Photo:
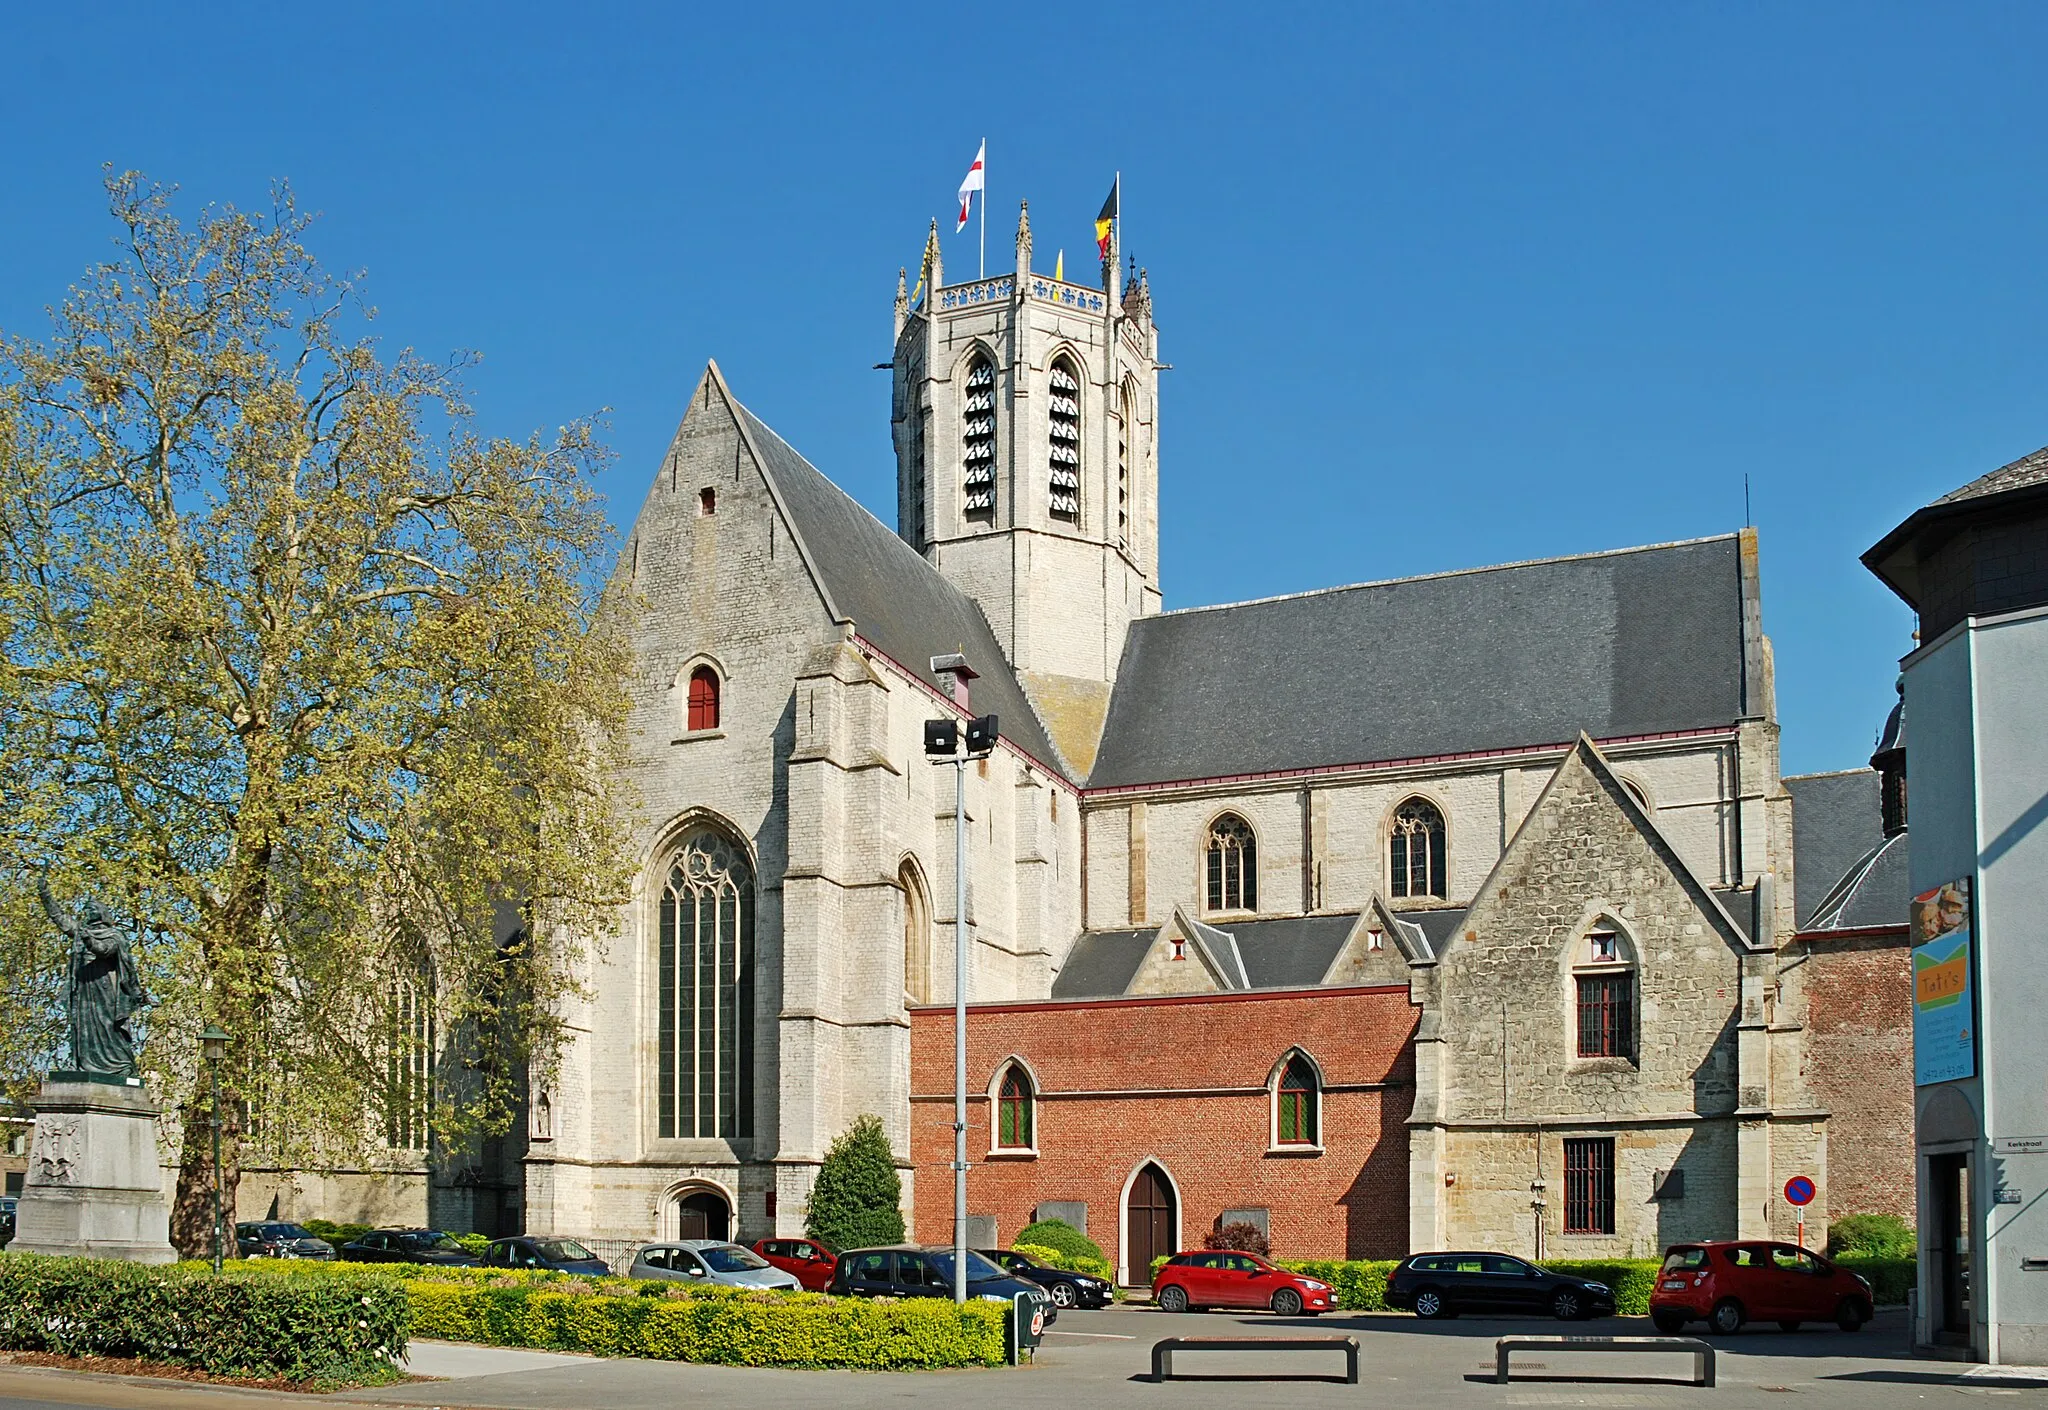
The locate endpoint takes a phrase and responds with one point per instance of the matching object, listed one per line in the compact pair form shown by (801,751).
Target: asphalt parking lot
(1104,1358)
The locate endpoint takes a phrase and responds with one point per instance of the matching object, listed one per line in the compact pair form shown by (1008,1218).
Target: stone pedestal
(95,1187)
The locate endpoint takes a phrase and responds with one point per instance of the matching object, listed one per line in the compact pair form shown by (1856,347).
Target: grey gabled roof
(896,600)
(1836,821)
(1637,642)
(2016,475)
(1874,892)
(1102,963)
(1291,952)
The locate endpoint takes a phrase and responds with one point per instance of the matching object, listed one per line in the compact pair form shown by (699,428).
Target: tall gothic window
(706,975)
(408,1064)
(1416,850)
(978,439)
(1063,451)
(1013,1110)
(1123,467)
(1233,865)
(917,937)
(1294,1118)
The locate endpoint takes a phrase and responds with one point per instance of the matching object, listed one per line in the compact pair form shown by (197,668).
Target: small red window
(703,698)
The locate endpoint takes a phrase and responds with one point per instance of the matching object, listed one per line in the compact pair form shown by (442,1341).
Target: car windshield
(437,1243)
(1681,1259)
(731,1258)
(979,1269)
(564,1251)
(281,1231)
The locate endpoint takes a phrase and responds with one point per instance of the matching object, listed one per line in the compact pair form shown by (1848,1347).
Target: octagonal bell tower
(1026,426)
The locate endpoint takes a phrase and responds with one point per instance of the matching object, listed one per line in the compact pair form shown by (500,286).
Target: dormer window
(1063,452)
(978,440)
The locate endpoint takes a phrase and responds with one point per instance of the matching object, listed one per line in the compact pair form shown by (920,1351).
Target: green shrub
(1874,1235)
(293,1323)
(1059,1235)
(1890,1278)
(1048,1257)
(1633,1279)
(1359,1285)
(857,1200)
(1242,1237)
(336,1234)
(473,1244)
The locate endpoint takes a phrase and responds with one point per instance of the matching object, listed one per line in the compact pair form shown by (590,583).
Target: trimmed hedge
(1890,1278)
(317,1325)
(1045,1256)
(1361,1286)
(1874,1235)
(1063,1238)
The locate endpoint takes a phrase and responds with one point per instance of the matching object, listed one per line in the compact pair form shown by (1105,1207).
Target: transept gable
(1382,948)
(1188,957)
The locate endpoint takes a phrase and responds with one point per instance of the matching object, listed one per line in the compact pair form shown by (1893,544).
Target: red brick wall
(1859,1061)
(1123,1081)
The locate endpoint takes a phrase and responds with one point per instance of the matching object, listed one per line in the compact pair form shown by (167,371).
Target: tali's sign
(1944,1006)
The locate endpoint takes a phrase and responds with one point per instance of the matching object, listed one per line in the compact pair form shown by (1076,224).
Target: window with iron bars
(1607,1015)
(1589,1185)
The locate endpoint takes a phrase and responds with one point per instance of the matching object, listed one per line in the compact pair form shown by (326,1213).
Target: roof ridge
(1826,773)
(1446,573)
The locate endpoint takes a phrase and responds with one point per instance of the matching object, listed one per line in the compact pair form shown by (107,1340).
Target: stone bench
(1163,1350)
(1702,1354)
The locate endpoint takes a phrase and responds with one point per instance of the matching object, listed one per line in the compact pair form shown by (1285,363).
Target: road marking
(1099,1336)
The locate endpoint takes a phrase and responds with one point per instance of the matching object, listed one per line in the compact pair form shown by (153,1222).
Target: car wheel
(1430,1305)
(1851,1315)
(1062,1294)
(1565,1306)
(1668,1322)
(1173,1299)
(1784,1326)
(1287,1302)
(1727,1317)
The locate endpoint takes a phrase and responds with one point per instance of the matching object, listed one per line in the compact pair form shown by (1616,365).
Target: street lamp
(942,740)
(214,1044)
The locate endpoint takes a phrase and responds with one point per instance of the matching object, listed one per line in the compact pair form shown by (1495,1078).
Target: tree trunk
(192,1209)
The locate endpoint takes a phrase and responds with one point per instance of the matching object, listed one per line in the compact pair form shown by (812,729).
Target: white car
(710,1261)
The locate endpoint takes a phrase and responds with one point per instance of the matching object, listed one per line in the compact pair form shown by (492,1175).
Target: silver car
(710,1261)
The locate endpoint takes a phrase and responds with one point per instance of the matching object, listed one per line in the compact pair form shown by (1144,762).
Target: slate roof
(2022,483)
(1875,891)
(1836,822)
(898,602)
(1292,952)
(1640,641)
(2020,474)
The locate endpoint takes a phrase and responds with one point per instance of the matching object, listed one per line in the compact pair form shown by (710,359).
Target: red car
(811,1262)
(1728,1284)
(1187,1281)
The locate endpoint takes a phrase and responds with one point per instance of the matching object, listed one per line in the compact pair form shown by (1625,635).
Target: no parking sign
(1799,1191)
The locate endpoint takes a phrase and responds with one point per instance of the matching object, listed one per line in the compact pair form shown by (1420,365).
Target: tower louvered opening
(978,440)
(1123,470)
(1063,452)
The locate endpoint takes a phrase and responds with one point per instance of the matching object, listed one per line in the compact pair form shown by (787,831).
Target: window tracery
(1233,865)
(706,1004)
(1416,851)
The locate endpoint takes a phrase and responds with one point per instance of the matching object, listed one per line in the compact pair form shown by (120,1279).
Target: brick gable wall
(1859,1063)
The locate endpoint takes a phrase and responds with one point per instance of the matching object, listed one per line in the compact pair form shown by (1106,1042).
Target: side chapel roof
(1836,822)
(1635,642)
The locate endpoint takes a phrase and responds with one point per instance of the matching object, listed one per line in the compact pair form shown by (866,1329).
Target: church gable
(1381,949)
(1589,918)
(1187,957)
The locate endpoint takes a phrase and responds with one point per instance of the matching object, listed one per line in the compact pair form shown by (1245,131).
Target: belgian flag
(1105,219)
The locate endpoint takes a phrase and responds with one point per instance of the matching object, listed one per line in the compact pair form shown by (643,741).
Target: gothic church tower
(1026,419)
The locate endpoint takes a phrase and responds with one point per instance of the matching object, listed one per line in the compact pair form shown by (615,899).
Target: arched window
(1233,865)
(978,439)
(706,982)
(1604,991)
(1126,408)
(917,937)
(703,707)
(1013,1110)
(1063,450)
(1295,1114)
(1416,850)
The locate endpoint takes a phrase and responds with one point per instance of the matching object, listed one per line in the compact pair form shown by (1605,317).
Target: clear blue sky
(1443,285)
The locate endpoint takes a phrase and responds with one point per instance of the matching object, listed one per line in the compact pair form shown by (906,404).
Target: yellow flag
(1059,266)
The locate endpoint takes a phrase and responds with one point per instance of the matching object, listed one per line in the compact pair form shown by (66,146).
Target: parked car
(7,1217)
(1068,1289)
(271,1238)
(1445,1284)
(556,1255)
(407,1246)
(907,1270)
(710,1261)
(1728,1284)
(808,1260)
(1211,1278)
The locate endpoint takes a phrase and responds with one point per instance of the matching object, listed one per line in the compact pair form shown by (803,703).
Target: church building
(1458,910)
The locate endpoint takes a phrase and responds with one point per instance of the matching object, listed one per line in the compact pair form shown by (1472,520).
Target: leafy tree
(857,1201)
(313,684)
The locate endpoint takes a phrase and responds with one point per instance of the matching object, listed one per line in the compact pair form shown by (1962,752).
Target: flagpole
(981,266)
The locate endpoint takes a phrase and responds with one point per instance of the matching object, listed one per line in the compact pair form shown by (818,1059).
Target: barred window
(706,1003)
(1416,850)
(1063,450)
(1589,1186)
(978,439)
(1607,1015)
(1233,865)
(1296,1117)
(1013,1111)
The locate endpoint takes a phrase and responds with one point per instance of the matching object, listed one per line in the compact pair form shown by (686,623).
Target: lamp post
(942,740)
(214,1044)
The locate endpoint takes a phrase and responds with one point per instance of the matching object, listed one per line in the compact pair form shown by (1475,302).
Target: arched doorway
(702,1214)
(1151,1223)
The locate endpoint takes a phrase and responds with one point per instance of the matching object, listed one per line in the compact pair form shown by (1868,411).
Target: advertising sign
(1944,1006)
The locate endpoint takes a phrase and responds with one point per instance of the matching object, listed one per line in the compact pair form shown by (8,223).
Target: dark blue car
(534,1251)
